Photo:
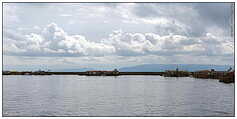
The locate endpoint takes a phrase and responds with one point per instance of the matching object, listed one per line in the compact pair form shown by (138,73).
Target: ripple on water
(115,96)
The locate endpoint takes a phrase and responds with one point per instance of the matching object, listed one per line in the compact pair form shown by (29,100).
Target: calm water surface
(59,95)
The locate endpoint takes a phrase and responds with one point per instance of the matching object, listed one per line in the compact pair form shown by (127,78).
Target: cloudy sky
(112,35)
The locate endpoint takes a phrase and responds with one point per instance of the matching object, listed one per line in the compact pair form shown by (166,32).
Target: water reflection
(115,96)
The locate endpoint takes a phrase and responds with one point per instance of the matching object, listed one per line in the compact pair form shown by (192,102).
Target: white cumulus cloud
(54,41)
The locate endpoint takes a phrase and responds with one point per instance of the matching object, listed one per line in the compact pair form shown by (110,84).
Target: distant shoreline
(222,76)
(82,73)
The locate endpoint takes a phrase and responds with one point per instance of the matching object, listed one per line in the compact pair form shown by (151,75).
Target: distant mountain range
(163,67)
(152,68)
(158,68)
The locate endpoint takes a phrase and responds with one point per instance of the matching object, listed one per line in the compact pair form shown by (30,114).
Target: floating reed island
(223,76)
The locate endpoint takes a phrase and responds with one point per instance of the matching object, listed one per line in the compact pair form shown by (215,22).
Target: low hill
(163,67)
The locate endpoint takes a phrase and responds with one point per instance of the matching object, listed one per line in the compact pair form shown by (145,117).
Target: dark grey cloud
(199,17)
(160,9)
(219,14)
(146,10)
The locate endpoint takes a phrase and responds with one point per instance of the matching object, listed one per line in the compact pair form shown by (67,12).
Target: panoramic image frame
(118,59)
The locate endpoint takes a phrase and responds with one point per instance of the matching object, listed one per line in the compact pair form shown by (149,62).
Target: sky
(113,35)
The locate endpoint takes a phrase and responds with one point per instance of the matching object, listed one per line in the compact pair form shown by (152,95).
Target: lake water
(59,95)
